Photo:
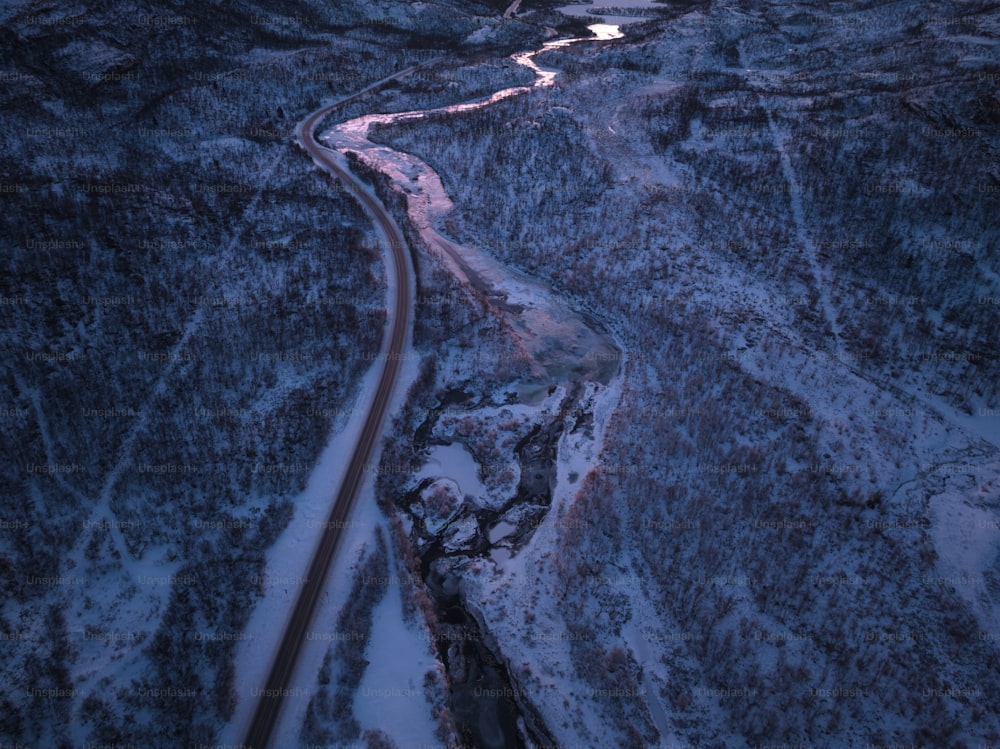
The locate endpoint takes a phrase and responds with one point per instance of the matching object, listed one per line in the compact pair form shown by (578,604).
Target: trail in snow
(43,428)
(102,515)
(821,277)
(984,429)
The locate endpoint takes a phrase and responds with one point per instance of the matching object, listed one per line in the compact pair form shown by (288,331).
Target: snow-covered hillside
(189,308)
(786,213)
(761,507)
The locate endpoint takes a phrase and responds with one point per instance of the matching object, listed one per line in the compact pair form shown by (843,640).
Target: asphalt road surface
(268,708)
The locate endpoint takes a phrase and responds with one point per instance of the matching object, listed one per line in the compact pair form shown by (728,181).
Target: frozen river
(564,343)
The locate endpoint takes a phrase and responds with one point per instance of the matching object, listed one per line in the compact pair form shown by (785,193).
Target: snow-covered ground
(392,696)
(288,561)
(847,447)
(787,487)
(291,554)
(964,514)
(455,462)
(504,589)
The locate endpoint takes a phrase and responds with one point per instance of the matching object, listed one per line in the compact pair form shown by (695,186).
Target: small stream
(568,347)
(565,344)
(486,703)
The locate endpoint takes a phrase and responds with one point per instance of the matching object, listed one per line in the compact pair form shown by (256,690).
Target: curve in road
(279,677)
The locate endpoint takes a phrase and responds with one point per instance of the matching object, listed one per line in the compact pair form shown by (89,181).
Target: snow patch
(966,536)
(456,462)
(391,695)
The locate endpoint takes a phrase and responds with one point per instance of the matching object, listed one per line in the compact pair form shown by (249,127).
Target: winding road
(279,677)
